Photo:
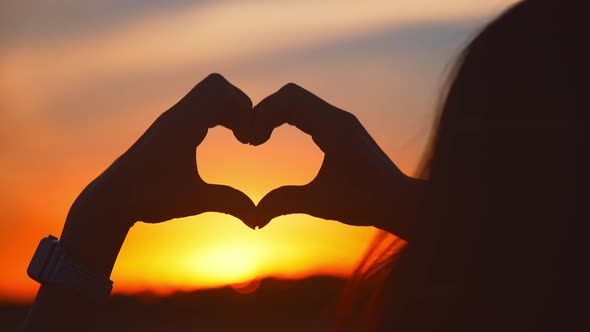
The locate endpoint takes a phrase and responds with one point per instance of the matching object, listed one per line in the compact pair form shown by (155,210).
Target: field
(277,305)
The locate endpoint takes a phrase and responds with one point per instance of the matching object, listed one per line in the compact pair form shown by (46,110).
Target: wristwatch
(51,264)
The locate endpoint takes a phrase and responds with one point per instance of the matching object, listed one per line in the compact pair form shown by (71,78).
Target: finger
(285,200)
(296,106)
(225,199)
(215,101)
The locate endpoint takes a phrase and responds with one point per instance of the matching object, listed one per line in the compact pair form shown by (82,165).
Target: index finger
(215,101)
(296,106)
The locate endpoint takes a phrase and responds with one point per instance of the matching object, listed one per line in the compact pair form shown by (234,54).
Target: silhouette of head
(499,247)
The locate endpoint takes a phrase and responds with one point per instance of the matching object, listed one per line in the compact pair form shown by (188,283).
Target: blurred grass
(277,305)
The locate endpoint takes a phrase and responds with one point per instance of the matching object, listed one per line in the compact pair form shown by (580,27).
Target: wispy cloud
(214,32)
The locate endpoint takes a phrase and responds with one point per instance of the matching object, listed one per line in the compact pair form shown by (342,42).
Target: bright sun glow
(233,264)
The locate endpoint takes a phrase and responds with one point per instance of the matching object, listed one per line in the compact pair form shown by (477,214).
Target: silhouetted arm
(154,181)
(357,183)
(57,308)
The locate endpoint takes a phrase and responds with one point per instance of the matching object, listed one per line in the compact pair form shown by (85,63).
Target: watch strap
(55,266)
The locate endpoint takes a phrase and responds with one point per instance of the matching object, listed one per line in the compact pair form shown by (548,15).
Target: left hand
(357,183)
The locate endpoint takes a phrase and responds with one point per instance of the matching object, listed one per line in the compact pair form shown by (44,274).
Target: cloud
(210,32)
(42,20)
(387,75)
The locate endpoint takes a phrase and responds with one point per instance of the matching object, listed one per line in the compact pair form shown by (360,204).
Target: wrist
(402,207)
(96,227)
(94,240)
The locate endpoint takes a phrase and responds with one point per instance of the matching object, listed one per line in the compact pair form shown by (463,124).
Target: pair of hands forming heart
(157,178)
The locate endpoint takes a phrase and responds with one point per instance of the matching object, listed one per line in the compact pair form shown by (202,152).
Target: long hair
(361,299)
(499,245)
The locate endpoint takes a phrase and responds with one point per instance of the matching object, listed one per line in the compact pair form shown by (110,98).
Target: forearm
(94,243)
(154,181)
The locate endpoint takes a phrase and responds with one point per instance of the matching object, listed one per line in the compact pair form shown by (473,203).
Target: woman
(492,230)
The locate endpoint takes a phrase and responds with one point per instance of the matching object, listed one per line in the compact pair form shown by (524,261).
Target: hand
(157,178)
(357,183)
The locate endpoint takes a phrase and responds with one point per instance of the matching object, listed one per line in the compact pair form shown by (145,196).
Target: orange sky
(382,60)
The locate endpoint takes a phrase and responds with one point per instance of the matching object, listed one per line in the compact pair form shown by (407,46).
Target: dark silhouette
(501,245)
(494,229)
(277,305)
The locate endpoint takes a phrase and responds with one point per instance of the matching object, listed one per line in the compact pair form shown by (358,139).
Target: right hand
(357,183)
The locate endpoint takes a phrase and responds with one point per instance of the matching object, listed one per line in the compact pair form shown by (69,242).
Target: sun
(225,264)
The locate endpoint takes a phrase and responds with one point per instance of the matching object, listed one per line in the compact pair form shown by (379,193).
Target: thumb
(225,199)
(285,200)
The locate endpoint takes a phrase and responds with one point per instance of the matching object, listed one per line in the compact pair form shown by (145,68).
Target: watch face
(41,257)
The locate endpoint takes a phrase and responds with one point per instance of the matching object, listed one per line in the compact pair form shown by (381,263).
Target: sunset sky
(81,80)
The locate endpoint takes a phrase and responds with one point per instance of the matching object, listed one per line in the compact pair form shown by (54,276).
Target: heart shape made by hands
(289,158)
(353,184)
(157,179)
